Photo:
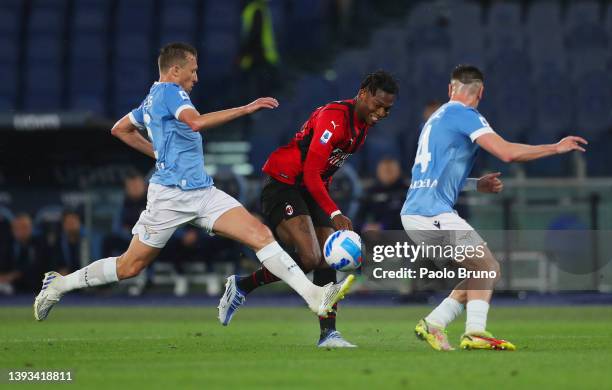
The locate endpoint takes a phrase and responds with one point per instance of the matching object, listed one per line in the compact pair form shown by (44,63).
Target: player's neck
(361,121)
(167,79)
(470,101)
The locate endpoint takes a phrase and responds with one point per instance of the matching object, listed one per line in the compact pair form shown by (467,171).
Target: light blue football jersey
(178,150)
(445,157)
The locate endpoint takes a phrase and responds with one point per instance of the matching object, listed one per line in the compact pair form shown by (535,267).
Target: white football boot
(231,300)
(48,296)
(332,293)
(334,340)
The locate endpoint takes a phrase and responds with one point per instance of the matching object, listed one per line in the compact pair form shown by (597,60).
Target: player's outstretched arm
(514,152)
(125,130)
(199,122)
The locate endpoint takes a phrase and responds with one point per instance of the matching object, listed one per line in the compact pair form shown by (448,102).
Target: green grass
(180,348)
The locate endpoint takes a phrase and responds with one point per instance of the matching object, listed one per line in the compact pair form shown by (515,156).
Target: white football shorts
(443,229)
(168,208)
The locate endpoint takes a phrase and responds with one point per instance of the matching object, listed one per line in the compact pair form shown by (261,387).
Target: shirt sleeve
(177,100)
(327,133)
(473,125)
(137,118)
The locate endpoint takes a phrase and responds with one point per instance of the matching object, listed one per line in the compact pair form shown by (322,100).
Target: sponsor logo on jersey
(334,124)
(425,183)
(184,95)
(437,224)
(325,137)
(337,157)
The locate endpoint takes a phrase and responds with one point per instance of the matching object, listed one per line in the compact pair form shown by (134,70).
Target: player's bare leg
(300,233)
(239,225)
(100,272)
(135,259)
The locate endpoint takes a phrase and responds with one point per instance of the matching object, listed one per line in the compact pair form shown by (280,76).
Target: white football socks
(99,272)
(477,310)
(445,312)
(277,261)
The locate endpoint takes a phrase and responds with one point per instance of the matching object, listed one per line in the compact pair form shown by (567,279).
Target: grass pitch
(181,348)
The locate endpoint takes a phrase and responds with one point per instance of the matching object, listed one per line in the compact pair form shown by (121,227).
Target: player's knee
(261,236)
(459,295)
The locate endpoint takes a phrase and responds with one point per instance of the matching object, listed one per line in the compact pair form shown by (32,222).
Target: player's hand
(490,183)
(570,143)
(264,102)
(342,222)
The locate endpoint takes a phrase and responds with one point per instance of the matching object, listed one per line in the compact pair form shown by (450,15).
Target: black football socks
(321,277)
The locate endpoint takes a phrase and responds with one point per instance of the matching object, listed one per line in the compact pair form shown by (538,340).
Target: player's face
(375,107)
(188,73)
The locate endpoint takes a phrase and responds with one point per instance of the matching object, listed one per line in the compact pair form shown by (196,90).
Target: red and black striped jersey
(330,135)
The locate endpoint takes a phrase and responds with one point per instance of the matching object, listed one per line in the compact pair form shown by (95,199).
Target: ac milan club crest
(289,210)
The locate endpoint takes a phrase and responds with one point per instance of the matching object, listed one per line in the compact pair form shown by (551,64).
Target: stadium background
(70,68)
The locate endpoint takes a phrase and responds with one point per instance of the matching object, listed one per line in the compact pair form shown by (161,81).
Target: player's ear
(480,92)
(450,90)
(362,93)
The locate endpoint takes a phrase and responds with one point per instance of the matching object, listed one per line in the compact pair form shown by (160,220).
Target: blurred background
(70,192)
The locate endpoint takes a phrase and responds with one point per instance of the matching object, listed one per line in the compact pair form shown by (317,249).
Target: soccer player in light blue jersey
(181,191)
(446,152)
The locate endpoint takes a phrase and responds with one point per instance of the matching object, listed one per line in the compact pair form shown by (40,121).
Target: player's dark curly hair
(174,53)
(380,80)
(467,74)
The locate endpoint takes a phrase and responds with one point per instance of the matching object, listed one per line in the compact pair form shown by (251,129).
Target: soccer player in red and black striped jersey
(295,199)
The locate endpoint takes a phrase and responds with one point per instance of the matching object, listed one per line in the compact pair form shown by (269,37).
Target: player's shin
(445,312)
(277,261)
(261,277)
(476,321)
(321,277)
(100,272)
(479,293)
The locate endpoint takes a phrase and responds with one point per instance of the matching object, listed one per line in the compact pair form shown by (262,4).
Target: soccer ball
(342,250)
